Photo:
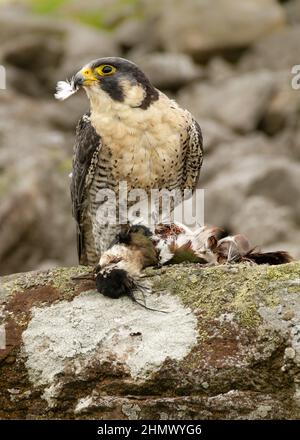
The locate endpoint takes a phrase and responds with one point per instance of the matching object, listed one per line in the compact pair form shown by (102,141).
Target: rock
(81,45)
(35,161)
(282,110)
(13,18)
(286,191)
(215,133)
(168,70)
(218,70)
(292,8)
(106,15)
(246,168)
(37,61)
(134,33)
(271,52)
(48,50)
(226,101)
(288,142)
(228,155)
(200,30)
(224,345)
(264,222)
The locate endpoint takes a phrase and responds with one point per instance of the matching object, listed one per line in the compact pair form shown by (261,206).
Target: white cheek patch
(65,89)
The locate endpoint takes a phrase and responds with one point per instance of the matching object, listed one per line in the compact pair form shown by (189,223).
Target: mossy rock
(226,348)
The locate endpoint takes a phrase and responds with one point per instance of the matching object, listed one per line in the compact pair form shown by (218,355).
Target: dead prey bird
(120,267)
(119,272)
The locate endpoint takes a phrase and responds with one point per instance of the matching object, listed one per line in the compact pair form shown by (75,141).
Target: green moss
(61,278)
(95,19)
(47,6)
(240,289)
(20,282)
(106,16)
(8,288)
(283,272)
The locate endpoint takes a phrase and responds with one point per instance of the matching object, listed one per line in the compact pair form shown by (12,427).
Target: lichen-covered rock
(228,346)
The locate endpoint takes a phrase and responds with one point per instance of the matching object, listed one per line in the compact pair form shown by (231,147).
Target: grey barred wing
(194,156)
(85,160)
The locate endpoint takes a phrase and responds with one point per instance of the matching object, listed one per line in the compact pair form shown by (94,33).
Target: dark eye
(107,69)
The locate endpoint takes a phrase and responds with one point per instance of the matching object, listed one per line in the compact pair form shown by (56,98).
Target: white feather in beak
(65,89)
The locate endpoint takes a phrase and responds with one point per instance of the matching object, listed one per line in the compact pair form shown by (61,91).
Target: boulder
(225,101)
(292,8)
(200,30)
(282,111)
(168,70)
(228,346)
(47,50)
(288,142)
(82,45)
(277,51)
(265,222)
(35,207)
(218,70)
(235,172)
(214,134)
(136,33)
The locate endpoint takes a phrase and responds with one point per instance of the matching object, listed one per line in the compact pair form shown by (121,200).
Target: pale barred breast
(147,146)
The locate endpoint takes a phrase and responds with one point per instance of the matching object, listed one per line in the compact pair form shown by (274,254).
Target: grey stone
(277,51)
(282,111)
(168,70)
(47,50)
(264,222)
(215,133)
(134,33)
(73,353)
(226,101)
(218,69)
(292,8)
(248,168)
(198,29)
(34,186)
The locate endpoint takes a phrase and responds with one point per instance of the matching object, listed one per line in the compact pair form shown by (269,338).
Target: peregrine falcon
(133,133)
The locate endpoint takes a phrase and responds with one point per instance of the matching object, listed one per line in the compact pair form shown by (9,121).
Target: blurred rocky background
(227,61)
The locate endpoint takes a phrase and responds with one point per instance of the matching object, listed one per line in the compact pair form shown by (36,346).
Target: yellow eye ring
(105,70)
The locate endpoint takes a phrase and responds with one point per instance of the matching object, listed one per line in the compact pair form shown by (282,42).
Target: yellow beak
(85,77)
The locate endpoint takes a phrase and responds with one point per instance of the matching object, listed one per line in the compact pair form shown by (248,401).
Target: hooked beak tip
(78,80)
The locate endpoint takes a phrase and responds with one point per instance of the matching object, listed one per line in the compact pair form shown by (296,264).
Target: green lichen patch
(241,346)
(238,289)
(62,279)
(11,284)
(59,278)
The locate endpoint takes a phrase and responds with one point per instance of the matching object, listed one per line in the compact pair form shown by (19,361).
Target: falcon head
(118,80)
